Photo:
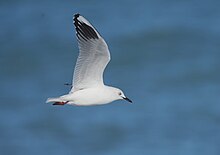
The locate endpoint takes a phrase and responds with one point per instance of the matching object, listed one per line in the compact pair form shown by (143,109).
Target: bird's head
(120,95)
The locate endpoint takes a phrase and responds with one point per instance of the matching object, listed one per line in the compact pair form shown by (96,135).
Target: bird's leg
(68,84)
(60,103)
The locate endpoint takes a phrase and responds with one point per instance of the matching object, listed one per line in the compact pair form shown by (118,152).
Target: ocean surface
(165,57)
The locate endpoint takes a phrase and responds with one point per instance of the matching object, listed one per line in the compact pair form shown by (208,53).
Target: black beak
(127,99)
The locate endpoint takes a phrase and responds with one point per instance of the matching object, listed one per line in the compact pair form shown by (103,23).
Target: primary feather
(93,55)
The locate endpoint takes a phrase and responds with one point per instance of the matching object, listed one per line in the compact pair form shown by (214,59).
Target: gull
(88,87)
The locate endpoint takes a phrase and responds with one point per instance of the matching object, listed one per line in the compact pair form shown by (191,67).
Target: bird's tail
(57,101)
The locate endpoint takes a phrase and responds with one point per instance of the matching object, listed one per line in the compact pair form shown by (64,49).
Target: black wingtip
(83,30)
(76,15)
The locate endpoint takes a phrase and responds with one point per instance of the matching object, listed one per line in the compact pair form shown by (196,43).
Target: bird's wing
(93,55)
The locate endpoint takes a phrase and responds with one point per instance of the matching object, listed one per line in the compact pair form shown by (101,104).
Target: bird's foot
(60,103)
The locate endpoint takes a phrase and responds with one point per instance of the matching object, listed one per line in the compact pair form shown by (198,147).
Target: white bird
(87,86)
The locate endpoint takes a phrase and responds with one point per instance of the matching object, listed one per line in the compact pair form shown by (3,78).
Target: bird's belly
(89,98)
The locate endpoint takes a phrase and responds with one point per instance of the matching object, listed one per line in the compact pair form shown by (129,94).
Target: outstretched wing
(93,55)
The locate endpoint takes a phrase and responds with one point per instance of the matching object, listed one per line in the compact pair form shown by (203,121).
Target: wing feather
(93,55)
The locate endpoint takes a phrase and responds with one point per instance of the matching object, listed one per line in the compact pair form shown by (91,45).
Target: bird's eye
(119,93)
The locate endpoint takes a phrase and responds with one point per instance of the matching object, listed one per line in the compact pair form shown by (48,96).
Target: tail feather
(56,99)
(62,100)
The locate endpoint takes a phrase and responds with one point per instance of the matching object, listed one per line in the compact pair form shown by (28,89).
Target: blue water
(165,56)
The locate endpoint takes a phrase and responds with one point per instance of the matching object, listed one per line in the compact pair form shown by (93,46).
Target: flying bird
(88,87)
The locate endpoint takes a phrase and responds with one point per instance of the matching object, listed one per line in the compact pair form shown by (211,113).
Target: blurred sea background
(165,56)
